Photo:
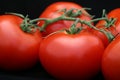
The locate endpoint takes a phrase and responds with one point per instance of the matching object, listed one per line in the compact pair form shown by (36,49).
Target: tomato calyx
(109,22)
(27,25)
(73,29)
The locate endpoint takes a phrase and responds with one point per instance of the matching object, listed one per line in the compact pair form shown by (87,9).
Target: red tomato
(18,50)
(51,12)
(115,13)
(111,61)
(69,56)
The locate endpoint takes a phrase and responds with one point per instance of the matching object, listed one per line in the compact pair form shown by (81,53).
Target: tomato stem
(71,16)
(17,14)
(38,19)
(98,19)
(29,25)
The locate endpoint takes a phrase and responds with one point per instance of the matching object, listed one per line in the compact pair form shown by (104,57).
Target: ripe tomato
(115,13)
(18,50)
(111,61)
(69,56)
(51,12)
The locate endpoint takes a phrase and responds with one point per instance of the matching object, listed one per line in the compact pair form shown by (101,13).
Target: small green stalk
(73,29)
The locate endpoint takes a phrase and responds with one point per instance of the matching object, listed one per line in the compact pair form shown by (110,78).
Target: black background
(34,8)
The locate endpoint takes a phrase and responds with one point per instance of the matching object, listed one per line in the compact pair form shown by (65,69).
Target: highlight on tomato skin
(71,56)
(53,11)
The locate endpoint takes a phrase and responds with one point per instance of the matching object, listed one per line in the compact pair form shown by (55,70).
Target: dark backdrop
(34,9)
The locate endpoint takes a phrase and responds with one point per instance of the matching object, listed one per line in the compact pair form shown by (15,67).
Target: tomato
(18,50)
(51,12)
(102,36)
(111,61)
(71,56)
(113,29)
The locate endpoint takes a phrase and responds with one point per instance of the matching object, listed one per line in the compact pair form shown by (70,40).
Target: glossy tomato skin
(102,36)
(18,50)
(115,30)
(66,56)
(111,61)
(52,12)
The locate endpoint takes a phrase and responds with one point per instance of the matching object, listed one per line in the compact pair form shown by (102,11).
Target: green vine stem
(28,25)
(49,21)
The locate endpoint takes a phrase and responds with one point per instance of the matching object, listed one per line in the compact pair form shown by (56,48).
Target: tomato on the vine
(114,29)
(18,49)
(71,56)
(52,11)
(111,61)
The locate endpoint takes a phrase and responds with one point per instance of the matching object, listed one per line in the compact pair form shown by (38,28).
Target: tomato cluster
(65,40)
